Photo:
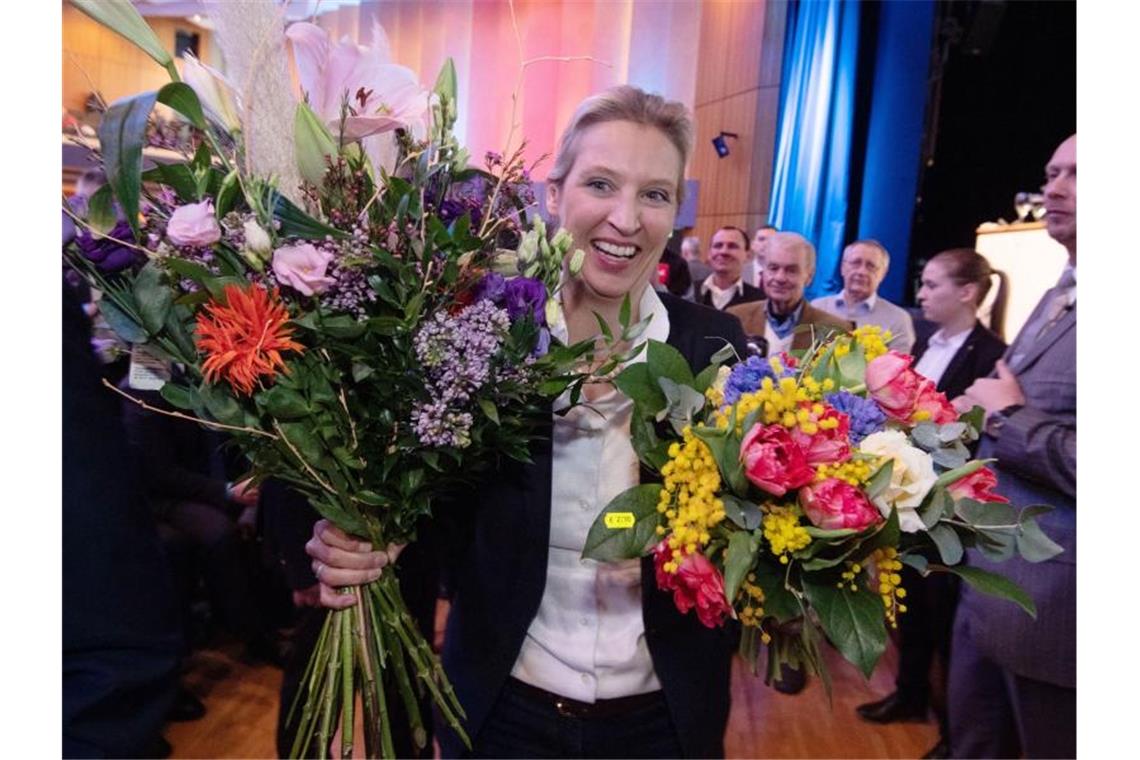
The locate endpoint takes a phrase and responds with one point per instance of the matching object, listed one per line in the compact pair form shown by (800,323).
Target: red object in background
(663,273)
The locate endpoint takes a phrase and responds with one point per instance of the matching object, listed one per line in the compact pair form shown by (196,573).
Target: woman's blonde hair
(626,103)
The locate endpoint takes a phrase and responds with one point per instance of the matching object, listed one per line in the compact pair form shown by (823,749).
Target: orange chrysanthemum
(244,337)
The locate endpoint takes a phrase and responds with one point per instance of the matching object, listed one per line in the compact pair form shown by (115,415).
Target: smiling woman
(553,655)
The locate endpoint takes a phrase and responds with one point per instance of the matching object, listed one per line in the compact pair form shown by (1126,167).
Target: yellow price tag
(620,520)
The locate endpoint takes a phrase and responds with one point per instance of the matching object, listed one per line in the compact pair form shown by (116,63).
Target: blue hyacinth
(747,376)
(865,415)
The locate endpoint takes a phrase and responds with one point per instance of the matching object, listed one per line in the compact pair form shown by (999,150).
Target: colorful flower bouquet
(794,490)
(375,335)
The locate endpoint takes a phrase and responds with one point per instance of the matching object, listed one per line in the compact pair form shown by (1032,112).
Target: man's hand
(993,393)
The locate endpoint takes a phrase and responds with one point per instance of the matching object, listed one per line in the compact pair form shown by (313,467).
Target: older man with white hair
(864,266)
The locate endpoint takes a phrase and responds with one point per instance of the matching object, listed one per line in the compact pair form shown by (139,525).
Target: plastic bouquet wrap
(373,331)
(794,490)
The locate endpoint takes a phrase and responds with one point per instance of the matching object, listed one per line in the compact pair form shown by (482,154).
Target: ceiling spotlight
(721,144)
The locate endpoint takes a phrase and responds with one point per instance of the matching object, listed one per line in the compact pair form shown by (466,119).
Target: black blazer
(502,576)
(750,294)
(976,358)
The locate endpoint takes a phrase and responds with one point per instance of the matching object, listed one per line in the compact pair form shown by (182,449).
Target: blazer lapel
(961,356)
(1067,321)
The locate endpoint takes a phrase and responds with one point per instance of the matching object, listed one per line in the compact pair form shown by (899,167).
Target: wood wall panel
(738,83)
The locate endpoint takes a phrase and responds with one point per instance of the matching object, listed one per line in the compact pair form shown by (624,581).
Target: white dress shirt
(721,298)
(587,641)
(940,350)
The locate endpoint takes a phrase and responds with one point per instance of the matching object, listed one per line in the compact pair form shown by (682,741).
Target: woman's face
(618,202)
(941,298)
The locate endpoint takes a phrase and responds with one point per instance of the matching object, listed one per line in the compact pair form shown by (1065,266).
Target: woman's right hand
(343,560)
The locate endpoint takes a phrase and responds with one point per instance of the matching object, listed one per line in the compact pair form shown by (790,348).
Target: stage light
(721,144)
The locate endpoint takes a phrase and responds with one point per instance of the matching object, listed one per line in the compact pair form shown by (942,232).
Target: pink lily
(382,95)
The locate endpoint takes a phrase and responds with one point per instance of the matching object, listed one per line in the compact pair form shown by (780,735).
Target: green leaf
(304,439)
(666,361)
(948,543)
(182,98)
(950,459)
(637,384)
(283,403)
(101,209)
(489,409)
(706,378)
(682,403)
(985,513)
(738,559)
(880,480)
(178,177)
(188,269)
(1032,543)
(121,17)
(925,435)
(725,448)
(778,601)
(852,620)
(744,514)
(917,561)
(974,418)
(652,451)
(125,327)
(217,286)
(815,532)
(951,431)
(154,297)
(313,144)
(723,354)
(853,364)
(122,134)
(296,223)
(938,504)
(177,396)
(995,545)
(947,478)
(360,371)
(220,404)
(228,193)
(624,312)
(604,327)
(994,585)
(610,544)
(446,83)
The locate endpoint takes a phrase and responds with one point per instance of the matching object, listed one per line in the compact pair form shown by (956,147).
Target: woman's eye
(659,196)
(598,184)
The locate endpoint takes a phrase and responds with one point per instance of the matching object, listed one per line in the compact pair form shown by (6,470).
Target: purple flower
(526,295)
(865,415)
(492,287)
(747,376)
(107,254)
(543,345)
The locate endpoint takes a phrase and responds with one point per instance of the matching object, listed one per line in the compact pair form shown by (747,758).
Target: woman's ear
(553,194)
(968,293)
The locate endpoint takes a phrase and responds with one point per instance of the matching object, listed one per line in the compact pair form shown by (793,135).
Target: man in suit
(1013,679)
(758,254)
(726,286)
(864,266)
(788,270)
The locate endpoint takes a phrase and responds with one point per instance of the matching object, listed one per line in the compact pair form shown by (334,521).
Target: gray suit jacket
(1037,464)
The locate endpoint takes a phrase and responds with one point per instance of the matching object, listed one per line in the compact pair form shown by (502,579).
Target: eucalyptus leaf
(917,561)
(612,538)
(125,327)
(951,431)
(738,560)
(153,297)
(744,514)
(880,480)
(949,459)
(723,354)
(925,435)
(666,361)
(996,545)
(948,543)
(1032,543)
(682,403)
(985,513)
(938,504)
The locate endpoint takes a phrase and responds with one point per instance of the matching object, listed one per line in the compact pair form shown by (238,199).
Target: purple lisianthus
(543,346)
(865,415)
(526,295)
(747,376)
(492,288)
(107,253)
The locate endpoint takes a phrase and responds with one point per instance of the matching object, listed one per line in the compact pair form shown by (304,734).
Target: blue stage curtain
(810,177)
(849,139)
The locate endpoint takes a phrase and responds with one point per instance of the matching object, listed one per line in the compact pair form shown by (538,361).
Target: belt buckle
(568,709)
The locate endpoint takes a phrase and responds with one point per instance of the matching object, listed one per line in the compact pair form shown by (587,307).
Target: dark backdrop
(1008,98)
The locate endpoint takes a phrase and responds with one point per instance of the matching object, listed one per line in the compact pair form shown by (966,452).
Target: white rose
(911,479)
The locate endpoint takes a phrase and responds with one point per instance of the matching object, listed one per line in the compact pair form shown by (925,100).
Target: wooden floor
(241,702)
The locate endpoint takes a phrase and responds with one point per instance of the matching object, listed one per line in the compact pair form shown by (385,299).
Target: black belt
(572,708)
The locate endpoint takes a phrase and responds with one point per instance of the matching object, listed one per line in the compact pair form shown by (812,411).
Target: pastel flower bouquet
(374,333)
(793,491)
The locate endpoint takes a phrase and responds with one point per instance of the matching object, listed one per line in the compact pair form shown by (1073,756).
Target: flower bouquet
(374,333)
(794,490)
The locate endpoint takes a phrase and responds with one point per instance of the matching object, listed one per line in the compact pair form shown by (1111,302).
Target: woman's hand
(343,560)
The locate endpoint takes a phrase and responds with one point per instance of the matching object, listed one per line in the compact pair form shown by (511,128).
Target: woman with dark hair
(954,350)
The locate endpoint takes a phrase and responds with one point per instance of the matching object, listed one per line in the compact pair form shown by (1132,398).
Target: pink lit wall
(650,44)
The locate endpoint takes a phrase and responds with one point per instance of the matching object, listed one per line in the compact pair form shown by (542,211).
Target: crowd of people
(552,656)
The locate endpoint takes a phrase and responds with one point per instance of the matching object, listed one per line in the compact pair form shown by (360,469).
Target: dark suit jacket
(1037,464)
(750,294)
(976,357)
(502,576)
(121,633)
(754,316)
